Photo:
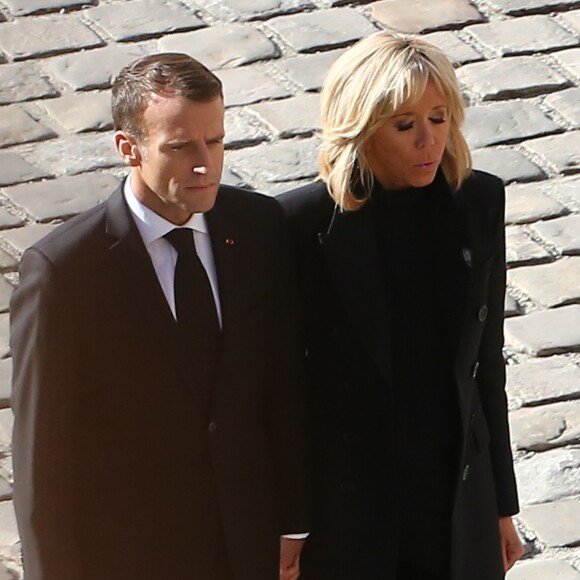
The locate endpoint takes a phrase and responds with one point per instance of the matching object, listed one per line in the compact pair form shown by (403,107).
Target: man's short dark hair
(168,75)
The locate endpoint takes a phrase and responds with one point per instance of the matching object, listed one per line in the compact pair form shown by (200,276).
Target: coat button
(475,369)
(482,314)
(465,473)
(212,427)
(466,256)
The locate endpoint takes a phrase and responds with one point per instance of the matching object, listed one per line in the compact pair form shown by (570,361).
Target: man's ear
(128,149)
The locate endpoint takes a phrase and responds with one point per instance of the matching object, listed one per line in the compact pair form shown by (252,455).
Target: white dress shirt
(152,228)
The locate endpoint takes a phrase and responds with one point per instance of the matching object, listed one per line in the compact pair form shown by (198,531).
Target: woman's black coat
(347,342)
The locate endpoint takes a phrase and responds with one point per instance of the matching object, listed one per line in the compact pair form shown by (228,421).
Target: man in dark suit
(157,369)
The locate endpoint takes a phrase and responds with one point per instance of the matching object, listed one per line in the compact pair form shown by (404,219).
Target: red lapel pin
(230,242)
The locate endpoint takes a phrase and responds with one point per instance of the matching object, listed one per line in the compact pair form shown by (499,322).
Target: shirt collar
(151,225)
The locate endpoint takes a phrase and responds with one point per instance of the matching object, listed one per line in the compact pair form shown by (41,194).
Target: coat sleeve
(45,370)
(288,408)
(491,376)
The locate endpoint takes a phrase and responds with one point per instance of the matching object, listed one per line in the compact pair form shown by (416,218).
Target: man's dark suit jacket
(349,370)
(121,460)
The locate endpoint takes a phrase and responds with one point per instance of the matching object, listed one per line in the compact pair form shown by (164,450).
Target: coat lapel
(352,255)
(141,293)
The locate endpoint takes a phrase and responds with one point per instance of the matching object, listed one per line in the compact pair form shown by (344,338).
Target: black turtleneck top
(421,268)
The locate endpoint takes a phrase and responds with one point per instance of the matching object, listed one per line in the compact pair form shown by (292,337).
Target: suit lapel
(142,295)
(353,260)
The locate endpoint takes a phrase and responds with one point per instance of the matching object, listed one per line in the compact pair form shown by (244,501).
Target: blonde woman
(400,248)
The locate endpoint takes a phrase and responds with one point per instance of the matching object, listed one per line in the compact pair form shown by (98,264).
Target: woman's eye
(438,120)
(405,126)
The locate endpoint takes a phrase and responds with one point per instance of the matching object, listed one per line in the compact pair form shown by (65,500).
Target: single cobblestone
(564,233)
(554,284)
(507,122)
(570,59)
(540,381)
(32,38)
(226,46)
(23,82)
(454,47)
(557,524)
(14,169)
(8,220)
(291,117)
(7,261)
(543,570)
(30,7)
(309,70)
(566,103)
(562,151)
(546,427)
(545,333)
(313,31)
(277,162)
(249,84)
(548,476)
(241,132)
(569,190)
(508,78)
(66,196)
(76,154)
(522,250)
(254,9)
(572,18)
(509,164)
(82,112)
(526,35)
(21,239)
(420,15)
(527,203)
(17,126)
(143,19)
(94,69)
(519,7)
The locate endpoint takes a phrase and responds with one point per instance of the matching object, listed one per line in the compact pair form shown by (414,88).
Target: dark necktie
(194,305)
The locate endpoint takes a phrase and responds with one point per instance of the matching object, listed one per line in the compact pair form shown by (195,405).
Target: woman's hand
(512,548)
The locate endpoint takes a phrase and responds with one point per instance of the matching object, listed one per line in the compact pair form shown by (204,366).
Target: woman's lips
(427,165)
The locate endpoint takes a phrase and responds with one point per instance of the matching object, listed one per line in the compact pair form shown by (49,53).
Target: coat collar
(352,255)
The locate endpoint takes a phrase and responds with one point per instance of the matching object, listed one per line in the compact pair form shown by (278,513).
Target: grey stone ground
(519,63)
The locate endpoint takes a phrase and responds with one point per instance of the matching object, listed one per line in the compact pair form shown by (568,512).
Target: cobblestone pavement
(519,63)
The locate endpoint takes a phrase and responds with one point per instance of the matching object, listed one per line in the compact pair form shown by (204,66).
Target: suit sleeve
(491,376)
(43,399)
(288,409)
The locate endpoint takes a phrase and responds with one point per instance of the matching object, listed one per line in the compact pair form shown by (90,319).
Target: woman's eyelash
(407,126)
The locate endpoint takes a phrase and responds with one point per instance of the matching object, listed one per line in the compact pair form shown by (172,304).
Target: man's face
(178,162)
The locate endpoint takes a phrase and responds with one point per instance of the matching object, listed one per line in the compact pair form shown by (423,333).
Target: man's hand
(512,548)
(290,558)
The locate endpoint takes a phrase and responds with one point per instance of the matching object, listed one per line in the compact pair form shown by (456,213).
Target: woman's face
(407,148)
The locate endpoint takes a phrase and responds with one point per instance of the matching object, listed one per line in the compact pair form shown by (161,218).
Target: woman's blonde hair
(367,85)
